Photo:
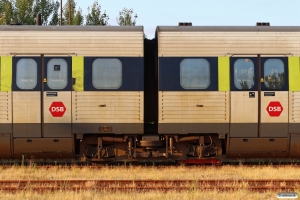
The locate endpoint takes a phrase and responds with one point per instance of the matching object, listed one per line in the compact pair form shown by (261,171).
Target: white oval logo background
(287,195)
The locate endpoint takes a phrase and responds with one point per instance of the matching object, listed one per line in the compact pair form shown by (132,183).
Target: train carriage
(238,82)
(62,85)
(192,94)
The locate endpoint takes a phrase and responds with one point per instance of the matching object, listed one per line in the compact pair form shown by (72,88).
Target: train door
(274,97)
(41,97)
(259,97)
(57,95)
(244,97)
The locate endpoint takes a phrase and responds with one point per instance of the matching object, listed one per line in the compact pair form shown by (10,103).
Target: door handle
(199,105)
(102,105)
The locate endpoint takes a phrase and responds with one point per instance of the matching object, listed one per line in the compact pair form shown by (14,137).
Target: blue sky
(152,13)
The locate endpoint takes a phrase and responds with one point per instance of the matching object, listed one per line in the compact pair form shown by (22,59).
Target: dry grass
(155,173)
(203,195)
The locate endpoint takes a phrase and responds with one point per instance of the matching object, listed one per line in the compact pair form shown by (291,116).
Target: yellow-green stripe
(294,73)
(223,73)
(77,72)
(6,74)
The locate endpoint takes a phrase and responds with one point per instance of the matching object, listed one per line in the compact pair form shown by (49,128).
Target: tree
(76,15)
(95,17)
(45,8)
(1,19)
(78,18)
(6,12)
(125,17)
(23,12)
(1,12)
(55,15)
(275,81)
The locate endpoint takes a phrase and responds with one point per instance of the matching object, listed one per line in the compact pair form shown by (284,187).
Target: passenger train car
(60,83)
(238,84)
(193,94)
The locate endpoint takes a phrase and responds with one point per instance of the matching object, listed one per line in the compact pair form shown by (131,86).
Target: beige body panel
(65,98)
(258,144)
(26,107)
(283,98)
(43,145)
(258,147)
(193,107)
(223,43)
(108,107)
(84,43)
(5,107)
(294,107)
(243,108)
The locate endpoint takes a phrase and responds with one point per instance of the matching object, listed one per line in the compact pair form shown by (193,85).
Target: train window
(243,74)
(194,74)
(107,73)
(26,74)
(57,74)
(274,74)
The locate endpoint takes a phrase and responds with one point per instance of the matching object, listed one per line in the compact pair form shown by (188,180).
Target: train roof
(228,28)
(193,41)
(80,40)
(72,28)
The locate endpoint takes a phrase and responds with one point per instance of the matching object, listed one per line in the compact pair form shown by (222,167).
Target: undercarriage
(196,148)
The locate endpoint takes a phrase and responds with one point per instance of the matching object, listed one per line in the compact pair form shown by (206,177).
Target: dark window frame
(169,74)
(188,87)
(119,83)
(132,74)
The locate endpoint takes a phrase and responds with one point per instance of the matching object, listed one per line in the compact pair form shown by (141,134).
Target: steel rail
(43,189)
(146,185)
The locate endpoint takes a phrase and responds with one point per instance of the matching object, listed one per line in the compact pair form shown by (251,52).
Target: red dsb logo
(274,108)
(57,109)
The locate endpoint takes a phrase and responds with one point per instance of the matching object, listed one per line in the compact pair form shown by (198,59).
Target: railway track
(148,185)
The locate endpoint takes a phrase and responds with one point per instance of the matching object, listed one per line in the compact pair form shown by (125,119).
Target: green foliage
(244,84)
(76,15)
(25,11)
(275,81)
(55,14)
(6,12)
(1,12)
(125,17)
(45,8)
(78,18)
(94,16)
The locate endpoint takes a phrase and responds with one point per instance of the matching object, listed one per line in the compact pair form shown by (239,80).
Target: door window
(57,74)
(26,74)
(244,74)
(274,74)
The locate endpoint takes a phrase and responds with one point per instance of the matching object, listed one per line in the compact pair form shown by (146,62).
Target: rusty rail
(146,185)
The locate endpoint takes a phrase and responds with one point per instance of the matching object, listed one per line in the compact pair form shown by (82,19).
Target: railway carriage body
(60,84)
(194,94)
(242,82)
